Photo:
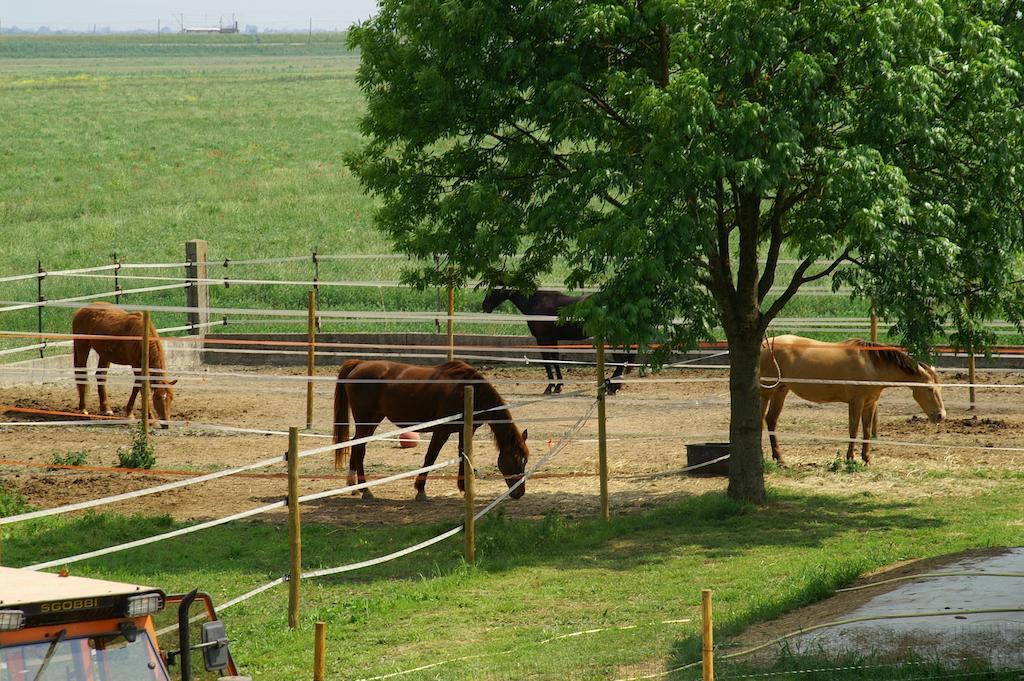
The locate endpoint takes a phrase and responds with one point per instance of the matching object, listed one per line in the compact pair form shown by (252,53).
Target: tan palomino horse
(799,359)
(104,319)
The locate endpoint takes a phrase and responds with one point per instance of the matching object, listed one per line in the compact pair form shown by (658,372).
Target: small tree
(673,152)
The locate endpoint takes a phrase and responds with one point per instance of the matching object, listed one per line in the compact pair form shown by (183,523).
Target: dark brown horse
(104,319)
(419,394)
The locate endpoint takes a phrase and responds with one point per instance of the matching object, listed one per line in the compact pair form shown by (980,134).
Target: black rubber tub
(703,452)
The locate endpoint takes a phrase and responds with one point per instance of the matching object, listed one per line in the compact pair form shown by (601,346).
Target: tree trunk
(746,463)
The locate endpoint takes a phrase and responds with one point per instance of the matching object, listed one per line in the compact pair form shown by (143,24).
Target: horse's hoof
(547,390)
(105,412)
(421,496)
(367,495)
(558,388)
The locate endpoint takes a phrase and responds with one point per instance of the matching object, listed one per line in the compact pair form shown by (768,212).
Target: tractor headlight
(144,604)
(11,620)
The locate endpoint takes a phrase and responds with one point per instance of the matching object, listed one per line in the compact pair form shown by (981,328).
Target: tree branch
(799,280)
(774,246)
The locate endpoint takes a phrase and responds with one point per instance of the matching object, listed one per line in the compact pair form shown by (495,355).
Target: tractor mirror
(215,646)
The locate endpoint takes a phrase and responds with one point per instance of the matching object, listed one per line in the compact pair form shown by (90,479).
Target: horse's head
(163,397)
(929,397)
(495,297)
(512,457)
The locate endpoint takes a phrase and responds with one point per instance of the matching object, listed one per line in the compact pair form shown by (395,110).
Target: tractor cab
(63,628)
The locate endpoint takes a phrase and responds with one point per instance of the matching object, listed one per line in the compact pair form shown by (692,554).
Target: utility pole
(158,29)
(309,39)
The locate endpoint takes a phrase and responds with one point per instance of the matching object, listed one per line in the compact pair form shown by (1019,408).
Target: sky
(133,14)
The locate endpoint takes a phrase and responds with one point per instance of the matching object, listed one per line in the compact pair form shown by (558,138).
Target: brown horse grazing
(104,319)
(430,394)
(794,357)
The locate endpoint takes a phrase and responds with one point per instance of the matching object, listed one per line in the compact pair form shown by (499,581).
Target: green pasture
(131,145)
(537,580)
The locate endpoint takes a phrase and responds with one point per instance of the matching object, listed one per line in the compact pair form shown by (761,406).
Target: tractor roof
(22,587)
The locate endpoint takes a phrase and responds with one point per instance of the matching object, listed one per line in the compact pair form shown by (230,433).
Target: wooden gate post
(198,294)
(319,651)
(708,646)
(310,356)
(145,375)
(294,529)
(602,435)
(468,474)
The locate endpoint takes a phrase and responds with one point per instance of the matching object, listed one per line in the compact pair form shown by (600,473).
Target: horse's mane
(886,354)
(504,431)
(486,395)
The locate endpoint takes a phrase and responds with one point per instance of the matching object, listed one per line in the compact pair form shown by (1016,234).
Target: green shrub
(79,458)
(841,464)
(12,503)
(141,454)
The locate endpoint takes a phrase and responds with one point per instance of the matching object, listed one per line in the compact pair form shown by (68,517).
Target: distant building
(251,29)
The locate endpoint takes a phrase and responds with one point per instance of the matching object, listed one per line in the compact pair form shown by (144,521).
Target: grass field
(133,145)
(537,580)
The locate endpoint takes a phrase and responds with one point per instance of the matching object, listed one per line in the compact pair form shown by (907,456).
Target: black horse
(549,333)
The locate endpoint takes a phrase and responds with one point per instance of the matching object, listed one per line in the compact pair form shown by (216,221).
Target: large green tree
(672,152)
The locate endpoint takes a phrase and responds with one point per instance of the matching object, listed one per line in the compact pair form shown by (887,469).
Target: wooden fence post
(310,356)
(972,376)
(602,435)
(319,651)
(198,294)
(874,339)
(145,374)
(294,529)
(709,643)
(40,275)
(451,317)
(117,283)
(468,474)
(874,323)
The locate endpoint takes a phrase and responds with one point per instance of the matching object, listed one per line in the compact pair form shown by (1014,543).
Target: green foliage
(840,464)
(77,458)
(12,503)
(141,454)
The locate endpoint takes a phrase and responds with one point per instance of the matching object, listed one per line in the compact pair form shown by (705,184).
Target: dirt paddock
(649,423)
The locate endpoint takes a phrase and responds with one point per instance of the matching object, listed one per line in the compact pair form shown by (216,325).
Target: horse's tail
(341,412)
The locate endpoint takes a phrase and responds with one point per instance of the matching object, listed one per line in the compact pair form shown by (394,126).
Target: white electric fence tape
(424,544)
(259,464)
(237,516)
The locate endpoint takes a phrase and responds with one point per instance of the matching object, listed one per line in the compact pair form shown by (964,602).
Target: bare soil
(649,423)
